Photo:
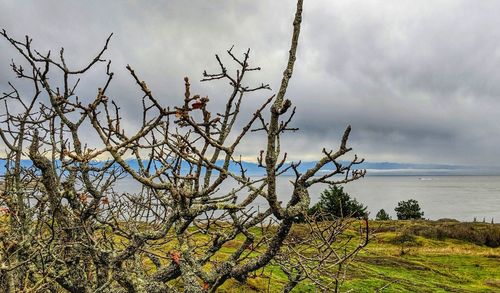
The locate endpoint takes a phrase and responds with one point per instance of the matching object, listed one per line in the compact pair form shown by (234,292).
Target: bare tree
(65,225)
(320,251)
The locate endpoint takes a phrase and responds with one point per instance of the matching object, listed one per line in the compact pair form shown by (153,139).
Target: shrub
(406,239)
(408,210)
(478,233)
(334,202)
(447,220)
(382,216)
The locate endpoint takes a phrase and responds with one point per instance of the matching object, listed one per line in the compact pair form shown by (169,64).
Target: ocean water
(459,197)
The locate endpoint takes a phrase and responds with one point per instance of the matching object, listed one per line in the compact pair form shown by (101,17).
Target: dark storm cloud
(418,81)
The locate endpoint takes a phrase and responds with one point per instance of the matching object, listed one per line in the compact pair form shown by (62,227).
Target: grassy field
(406,256)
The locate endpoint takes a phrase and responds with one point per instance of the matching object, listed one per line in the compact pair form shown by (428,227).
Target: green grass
(402,256)
(430,263)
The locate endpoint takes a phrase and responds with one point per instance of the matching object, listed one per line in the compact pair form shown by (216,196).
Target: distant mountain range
(373,168)
(391,168)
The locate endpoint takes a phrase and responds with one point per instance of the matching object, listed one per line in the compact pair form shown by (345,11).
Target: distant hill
(373,168)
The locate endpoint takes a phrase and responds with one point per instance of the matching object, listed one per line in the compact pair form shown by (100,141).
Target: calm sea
(458,197)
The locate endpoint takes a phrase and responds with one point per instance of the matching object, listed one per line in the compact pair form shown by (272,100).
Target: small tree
(408,210)
(382,216)
(334,202)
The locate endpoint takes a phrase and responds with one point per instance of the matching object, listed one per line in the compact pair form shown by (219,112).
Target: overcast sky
(419,81)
